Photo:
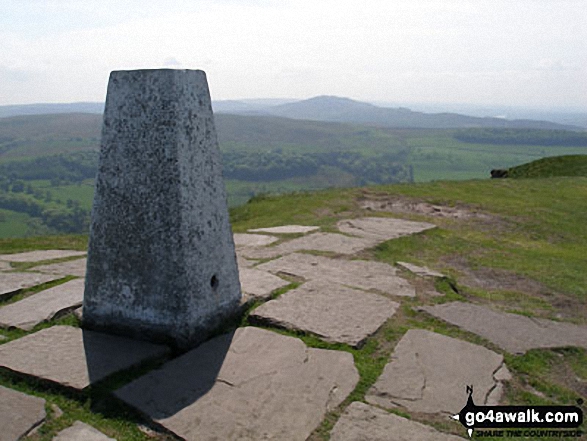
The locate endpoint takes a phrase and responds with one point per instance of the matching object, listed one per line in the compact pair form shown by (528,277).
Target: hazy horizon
(529,53)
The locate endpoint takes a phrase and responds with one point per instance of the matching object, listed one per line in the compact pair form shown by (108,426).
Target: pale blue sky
(492,52)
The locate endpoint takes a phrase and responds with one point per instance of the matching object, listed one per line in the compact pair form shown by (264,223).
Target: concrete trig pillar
(161,258)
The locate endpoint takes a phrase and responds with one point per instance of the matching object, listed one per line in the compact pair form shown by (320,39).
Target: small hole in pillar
(214,282)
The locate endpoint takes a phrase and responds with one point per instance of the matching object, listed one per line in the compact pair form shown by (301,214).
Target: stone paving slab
(73,357)
(286,229)
(382,228)
(253,240)
(13,282)
(361,422)
(513,332)
(37,256)
(19,413)
(5,266)
(421,271)
(81,432)
(259,284)
(354,273)
(43,306)
(70,268)
(243,262)
(429,372)
(331,242)
(334,313)
(252,384)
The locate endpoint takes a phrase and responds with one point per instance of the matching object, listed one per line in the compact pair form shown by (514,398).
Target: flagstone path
(334,313)
(37,256)
(513,332)
(43,306)
(81,432)
(11,283)
(255,383)
(19,413)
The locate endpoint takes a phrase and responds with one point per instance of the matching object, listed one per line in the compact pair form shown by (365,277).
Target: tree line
(523,136)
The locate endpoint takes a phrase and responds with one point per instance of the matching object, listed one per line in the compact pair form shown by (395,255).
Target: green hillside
(48,162)
(512,245)
(568,165)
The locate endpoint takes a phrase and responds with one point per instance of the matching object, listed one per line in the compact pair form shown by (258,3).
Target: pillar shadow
(162,392)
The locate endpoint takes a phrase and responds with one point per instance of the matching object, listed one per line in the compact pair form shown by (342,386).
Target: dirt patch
(399,204)
(564,307)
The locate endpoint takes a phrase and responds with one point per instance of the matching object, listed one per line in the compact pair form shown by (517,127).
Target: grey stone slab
(5,266)
(421,271)
(429,372)
(13,282)
(334,313)
(355,273)
(382,228)
(243,262)
(70,268)
(259,284)
(73,357)
(286,229)
(43,306)
(19,413)
(37,256)
(362,422)
(161,255)
(81,432)
(331,242)
(513,332)
(252,384)
(242,240)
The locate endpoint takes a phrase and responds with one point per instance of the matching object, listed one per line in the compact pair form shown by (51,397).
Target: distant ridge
(322,108)
(337,109)
(50,108)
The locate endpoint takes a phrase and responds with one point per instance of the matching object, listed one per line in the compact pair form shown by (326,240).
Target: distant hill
(41,109)
(567,165)
(323,108)
(336,109)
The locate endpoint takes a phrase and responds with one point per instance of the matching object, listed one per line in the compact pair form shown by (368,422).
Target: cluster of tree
(68,168)
(69,219)
(278,165)
(523,136)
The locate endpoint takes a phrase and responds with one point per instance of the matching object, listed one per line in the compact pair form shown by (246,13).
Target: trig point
(161,259)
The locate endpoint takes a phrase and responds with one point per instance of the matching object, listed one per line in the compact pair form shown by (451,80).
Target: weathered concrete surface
(334,313)
(70,268)
(73,357)
(259,284)
(514,333)
(161,257)
(382,228)
(43,306)
(13,282)
(286,229)
(19,413)
(361,422)
(81,432)
(421,271)
(334,243)
(355,273)
(429,372)
(242,240)
(252,384)
(37,256)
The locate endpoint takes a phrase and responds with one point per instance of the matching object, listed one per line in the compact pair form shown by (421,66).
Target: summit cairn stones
(161,257)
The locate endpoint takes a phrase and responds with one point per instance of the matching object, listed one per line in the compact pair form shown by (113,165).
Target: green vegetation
(523,137)
(569,165)
(48,162)
(515,245)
